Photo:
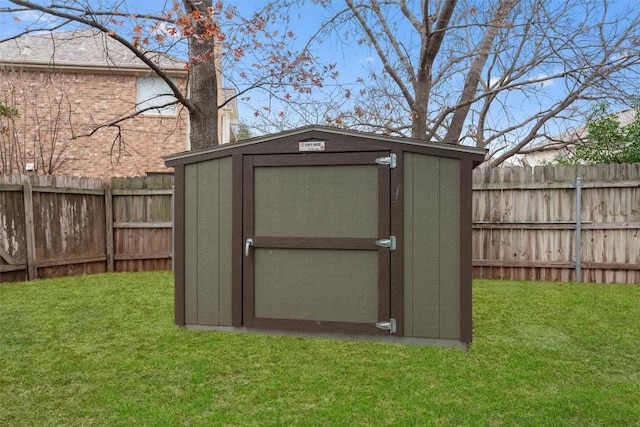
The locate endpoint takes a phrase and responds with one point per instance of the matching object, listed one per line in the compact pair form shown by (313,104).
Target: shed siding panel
(225,251)
(449,248)
(407,239)
(191,244)
(208,217)
(208,242)
(422,231)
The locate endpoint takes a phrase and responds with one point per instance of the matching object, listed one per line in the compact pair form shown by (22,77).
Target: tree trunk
(203,87)
(429,48)
(419,109)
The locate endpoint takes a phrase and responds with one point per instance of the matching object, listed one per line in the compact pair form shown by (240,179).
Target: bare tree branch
(501,75)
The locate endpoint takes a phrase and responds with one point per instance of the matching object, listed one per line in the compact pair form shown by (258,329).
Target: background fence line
(59,226)
(524,224)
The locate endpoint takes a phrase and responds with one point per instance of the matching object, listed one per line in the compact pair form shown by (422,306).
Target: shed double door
(315,229)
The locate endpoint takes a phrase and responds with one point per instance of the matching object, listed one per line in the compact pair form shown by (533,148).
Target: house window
(155,92)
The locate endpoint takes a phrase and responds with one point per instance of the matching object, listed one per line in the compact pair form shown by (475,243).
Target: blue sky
(304,22)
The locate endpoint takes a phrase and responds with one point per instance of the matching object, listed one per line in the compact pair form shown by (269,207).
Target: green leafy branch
(608,141)
(6,111)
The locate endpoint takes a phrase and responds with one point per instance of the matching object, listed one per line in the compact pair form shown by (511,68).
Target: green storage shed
(326,232)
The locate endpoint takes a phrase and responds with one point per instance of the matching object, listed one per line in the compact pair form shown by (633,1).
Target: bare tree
(39,130)
(501,75)
(216,38)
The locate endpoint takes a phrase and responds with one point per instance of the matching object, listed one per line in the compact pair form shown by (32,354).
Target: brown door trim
(247,232)
(237,242)
(397,229)
(384,230)
(314,242)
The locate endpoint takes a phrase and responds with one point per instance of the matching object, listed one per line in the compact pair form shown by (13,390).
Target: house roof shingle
(82,48)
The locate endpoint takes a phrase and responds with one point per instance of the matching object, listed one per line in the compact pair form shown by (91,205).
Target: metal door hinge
(391,161)
(388,326)
(387,243)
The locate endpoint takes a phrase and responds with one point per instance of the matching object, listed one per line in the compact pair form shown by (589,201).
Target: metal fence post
(578,248)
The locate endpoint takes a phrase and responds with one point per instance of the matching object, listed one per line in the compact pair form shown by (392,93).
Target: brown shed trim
(397,256)
(247,293)
(384,230)
(322,158)
(361,157)
(311,326)
(337,140)
(315,242)
(178,245)
(466,255)
(236,244)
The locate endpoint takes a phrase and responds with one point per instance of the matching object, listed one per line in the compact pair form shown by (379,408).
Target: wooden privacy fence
(525,224)
(60,226)
(562,223)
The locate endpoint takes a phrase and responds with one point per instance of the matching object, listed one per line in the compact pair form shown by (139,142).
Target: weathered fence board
(142,223)
(57,226)
(525,223)
(13,258)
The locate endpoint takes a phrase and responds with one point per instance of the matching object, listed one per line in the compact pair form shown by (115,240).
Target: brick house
(66,85)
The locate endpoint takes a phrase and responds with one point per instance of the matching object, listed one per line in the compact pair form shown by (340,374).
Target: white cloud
(494,83)
(31,17)
(367,59)
(544,83)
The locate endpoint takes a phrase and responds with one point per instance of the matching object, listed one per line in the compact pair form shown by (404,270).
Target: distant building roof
(79,49)
(579,134)
(548,149)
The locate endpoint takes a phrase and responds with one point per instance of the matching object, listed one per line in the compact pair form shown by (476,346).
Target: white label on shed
(311,146)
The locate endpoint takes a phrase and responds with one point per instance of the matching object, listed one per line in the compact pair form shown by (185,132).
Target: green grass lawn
(103,350)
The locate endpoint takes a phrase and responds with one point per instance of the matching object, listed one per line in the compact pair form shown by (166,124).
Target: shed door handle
(247,245)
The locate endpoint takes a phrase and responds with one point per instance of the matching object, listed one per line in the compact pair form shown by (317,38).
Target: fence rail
(528,224)
(58,226)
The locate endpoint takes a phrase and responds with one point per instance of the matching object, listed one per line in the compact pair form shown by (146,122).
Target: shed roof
(320,132)
(79,49)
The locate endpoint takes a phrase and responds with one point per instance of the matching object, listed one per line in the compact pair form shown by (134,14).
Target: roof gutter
(88,68)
